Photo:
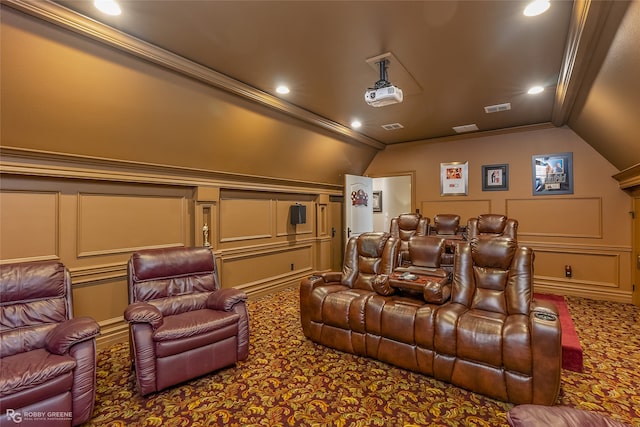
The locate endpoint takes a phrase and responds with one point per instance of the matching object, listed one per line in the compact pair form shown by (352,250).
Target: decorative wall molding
(629,178)
(27,162)
(559,212)
(29,224)
(544,286)
(89,276)
(112,331)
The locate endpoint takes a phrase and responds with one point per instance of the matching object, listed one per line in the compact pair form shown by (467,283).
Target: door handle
(348,232)
(333,232)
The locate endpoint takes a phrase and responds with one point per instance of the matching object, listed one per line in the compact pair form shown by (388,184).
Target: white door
(358,205)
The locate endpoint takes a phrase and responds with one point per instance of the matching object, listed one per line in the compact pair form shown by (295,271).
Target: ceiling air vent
(497,108)
(392,126)
(465,128)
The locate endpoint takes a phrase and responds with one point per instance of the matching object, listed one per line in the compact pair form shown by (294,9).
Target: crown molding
(582,58)
(629,177)
(80,24)
(20,161)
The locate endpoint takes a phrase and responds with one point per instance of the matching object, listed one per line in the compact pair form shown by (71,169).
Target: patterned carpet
(287,380)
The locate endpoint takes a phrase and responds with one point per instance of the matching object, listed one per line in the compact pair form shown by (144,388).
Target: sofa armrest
(381,285)
(70,332)
(546,347)
(141,312)
(545,310)
(225,299)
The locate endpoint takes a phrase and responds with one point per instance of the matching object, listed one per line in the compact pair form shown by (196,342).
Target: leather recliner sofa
(490,337)
(182,324)
(47,357)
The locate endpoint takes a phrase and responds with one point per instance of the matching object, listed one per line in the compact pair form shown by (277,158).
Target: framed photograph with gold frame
(454,179)
(495,177)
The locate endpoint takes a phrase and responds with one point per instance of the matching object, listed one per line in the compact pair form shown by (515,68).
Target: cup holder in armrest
(545,316)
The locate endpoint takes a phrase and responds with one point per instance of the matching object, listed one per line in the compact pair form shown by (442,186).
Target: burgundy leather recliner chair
(182,324)
(47,357)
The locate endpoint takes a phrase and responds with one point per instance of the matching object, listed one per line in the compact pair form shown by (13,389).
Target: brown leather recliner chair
(492,337)
(48,358)
(332,305)
(448,227)
(405,226)
(492,225)
(182,324)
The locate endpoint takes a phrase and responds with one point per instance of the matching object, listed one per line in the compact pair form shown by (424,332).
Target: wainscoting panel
(29,226)
(465,208)
(110,224)
(558,217)
(244,270)
(283,219)
(245,219)
(592,269)
(596,271)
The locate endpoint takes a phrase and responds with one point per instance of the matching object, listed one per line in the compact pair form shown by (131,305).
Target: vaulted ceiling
(451,58)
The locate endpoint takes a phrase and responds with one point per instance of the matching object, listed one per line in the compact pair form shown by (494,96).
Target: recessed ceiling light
(535,90)
(536,7)
(356,124)
(282,89)
(110,7)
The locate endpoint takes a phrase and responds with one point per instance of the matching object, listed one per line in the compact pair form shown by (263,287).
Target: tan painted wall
(589,230)
(64,93)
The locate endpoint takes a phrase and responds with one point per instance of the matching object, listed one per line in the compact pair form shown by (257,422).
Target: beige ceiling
(457,57)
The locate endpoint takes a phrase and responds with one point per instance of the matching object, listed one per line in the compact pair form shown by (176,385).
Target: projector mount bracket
(383,82)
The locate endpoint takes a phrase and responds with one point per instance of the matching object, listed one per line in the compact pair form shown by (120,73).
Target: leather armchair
(492,225)
(48,358)
(403,227)
(182,324)
(492,337)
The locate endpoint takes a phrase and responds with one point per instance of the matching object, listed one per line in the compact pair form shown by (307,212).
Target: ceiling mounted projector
(383,92)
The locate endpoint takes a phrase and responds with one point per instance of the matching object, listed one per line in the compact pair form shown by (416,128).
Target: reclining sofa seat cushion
(180,317)
(47,357)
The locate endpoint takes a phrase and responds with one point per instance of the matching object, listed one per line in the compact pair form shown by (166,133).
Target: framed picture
(495,177)
(454,178)
(377,201)
(552,174)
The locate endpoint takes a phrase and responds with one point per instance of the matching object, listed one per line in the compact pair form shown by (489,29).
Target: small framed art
(454,178)
(552,174)
(495,177)
(377,201)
